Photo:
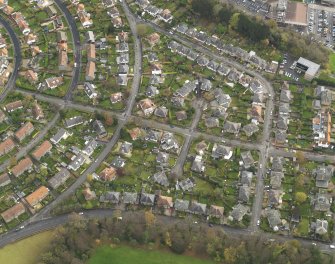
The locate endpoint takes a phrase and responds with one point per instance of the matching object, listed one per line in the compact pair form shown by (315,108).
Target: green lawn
(332,62)
(26,251)
(123,254)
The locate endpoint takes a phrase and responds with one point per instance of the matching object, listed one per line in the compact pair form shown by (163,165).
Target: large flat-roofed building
(310,68)
(292,13)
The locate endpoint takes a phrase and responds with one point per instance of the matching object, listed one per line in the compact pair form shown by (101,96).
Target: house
(282,122)
(147,199)
(273,217)
(164,202)
(111,197)
(275,179)
(284,108)
(30,39)
(152,10)
(277,164)
(2,116)
(216,211)
(122,80)
(89,36)
(153,135)
(197,208)
(90,90)
(54,82)
(275,197)
(181,205)
(13,212)
(108,3)
(161,111)
(62,60)
(42,150)
(123,69)
(181,115)
(256,114)
(211,122)
(61,37)
(84,17)
(223,70)
(201,147)
(202,61)
(142,3)
(37,111)
(186,185)
(4,179)
(37,196)
(244,193)
(321,203)
(166,16)
(198,164)
(322,129)
(90,146)
(117,22)
(76,163)
(169,142)
(186,89)
(123,37)
(162,158)
(296,216)
(108,174)
(31,76)
(220,151)
(321,227)
(246,178)
(280,136)
(153,38)
(122,47)
(247,159)
(89,194)
(90,50)
(135,133)
(6,146)
(231,127)
(99,128)
(10,107)
(113,12)
(90,71)
(285,96)
(310,68)
(160,178)
(152,57)
(118,162)
(238,212)
(61,134)
(250,129)
(24,131)
(130,198)
(74,121)
(51,11)
(147,106)
(152,91)
(323,175)
(126,148)
(116,97)
(59,178)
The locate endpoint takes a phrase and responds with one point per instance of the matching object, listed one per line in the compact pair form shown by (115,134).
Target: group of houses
(283,114)
(228,49)
(322,122)
(113,12)
(164,15)
(5,67)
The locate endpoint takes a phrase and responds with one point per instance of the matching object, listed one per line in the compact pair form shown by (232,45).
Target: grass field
(332,62)
(123,254)
(26,251)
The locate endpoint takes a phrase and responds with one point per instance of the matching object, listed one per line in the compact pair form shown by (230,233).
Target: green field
(127,255)
(26,251)
(332,62)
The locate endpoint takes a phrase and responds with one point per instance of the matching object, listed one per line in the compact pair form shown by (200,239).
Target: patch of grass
(26,251)
(123,254)
(332,62)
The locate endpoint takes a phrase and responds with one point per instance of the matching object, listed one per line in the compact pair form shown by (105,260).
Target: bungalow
(152,91)
(24,131)
(153,135)
(89,36)
(211,122)
(147,199)
(30,39)
(4,179)
(126,148)
(108,3)
(216,211)
(244,194)
(280,136)
(181,115)
(59,178)
(54,82)
(321,203)
(197,208)
(113,12)
(13,212)
(122,80)
(161,111)
(198,164)
(166,16)
(182,28)
(10,107)
(116,97)
(275,197)
(74,121)
(246,178)
(321,227)
(22,166)
(117,22)
(90,147)
(61,134)
(42,150)
(108,174)
(111,197)
(220,151)
(250,129)
(323,174)
(185,185)
(161,178)
(122,36)
(130,198)
(162,158)
(277,164)
(153,38)
(118,162)
(165,202)
(6,146)
(275,179)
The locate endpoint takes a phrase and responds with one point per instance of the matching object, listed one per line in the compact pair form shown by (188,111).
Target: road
(76,46)
(17,59)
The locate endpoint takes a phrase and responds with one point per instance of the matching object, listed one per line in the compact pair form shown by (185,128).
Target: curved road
(76,44)
(17,59)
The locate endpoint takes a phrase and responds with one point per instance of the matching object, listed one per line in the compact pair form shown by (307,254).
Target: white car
(258,222)
(332,246)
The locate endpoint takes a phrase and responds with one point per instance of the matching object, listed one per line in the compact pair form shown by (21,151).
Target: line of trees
(75,242)
(258,30)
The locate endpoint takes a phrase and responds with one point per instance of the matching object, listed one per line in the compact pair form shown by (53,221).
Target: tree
(300,180)
(234,21)
(203,7)
(12,161)
(230,255)
(142,29)
(300,157)
(109,120)
(150,218)
(300,197)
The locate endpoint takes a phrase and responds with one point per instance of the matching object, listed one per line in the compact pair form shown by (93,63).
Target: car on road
(332,246)
(258,222)
(81,213)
